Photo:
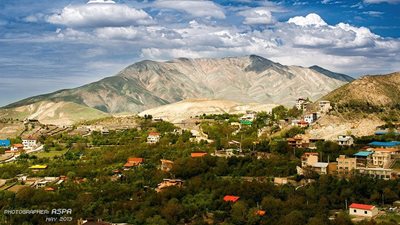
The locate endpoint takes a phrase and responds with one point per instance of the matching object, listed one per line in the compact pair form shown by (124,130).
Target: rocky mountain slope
(378,90)
(148,84)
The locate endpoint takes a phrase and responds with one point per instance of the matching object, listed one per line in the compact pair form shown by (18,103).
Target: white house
(153,137)
(356,209)
(310,118)
(29,143)
(345,140)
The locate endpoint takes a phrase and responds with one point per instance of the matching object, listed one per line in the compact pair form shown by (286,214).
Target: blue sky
(46,45)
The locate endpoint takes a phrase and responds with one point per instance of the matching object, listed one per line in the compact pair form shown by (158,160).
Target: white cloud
(381,1)
(197,8)
(100,15)
(101,2)
(311,19)
(258,15)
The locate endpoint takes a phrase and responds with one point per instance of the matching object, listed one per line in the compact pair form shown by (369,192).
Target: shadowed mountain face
(149,84)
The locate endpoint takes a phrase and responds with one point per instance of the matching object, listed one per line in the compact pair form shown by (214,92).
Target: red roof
(302,122)
(231,198)
(154,134)
(18,145)
(198,154)
(135,160)
(260,212)
(361,206)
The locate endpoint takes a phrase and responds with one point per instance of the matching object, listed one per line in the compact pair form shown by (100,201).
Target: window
(355,210)
(365,212)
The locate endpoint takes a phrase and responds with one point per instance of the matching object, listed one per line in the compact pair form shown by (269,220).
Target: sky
(47,45)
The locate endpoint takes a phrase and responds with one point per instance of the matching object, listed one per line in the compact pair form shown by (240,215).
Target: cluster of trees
(132,198)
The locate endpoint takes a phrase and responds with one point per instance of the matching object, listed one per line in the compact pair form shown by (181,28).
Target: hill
(186,109)
(57,113)
(374,91)
(148,84)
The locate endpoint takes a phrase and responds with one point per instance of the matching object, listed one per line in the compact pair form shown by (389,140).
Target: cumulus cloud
(311,19)
(100,15)
(196,8)
(258,15)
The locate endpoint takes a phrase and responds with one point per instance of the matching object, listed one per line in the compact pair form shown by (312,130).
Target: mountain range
(148,84)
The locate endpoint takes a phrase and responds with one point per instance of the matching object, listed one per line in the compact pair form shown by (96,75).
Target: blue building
(5,143)
(387,144)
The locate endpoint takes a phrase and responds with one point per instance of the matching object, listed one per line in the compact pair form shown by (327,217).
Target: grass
(389,217)
(50,154)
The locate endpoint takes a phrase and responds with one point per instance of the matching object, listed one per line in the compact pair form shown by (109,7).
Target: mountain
(182,110)
(148,84)
(374,91)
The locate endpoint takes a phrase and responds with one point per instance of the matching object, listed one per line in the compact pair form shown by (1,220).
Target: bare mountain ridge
(148,84)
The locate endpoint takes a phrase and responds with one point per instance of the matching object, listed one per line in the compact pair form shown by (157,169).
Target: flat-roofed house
(345,140)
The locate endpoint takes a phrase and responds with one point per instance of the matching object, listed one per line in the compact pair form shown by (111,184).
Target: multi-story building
(346,165)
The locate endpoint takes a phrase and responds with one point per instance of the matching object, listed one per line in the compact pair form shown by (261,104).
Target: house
(302,124)
(324,106)
(169,183)
(198,154)
(379,173)
(309,159)
(320,167)
(231,198)
(5,143)
(384,157)
(153,137)
(166,165)
(346,165)
(296,142)
(17,147)
(301,104)
(280,180)
(133,162)
(345,140)
(38,167)
(356,209)
(249,116)
(29,143)
(310,118)
(260,212)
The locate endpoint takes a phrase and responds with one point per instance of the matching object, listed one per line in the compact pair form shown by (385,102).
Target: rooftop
(231,198)
(198,154)
(321,164)
(385,144)
(361,206)
(38,167)
(363,154)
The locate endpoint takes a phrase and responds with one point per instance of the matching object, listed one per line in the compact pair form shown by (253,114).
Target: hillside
(148,84)
(57,113)
(375,91)
(186,109)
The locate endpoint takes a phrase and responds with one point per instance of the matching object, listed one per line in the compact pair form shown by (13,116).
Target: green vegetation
(94,190)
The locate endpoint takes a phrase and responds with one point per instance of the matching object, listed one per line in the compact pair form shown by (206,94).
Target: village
(172,153)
